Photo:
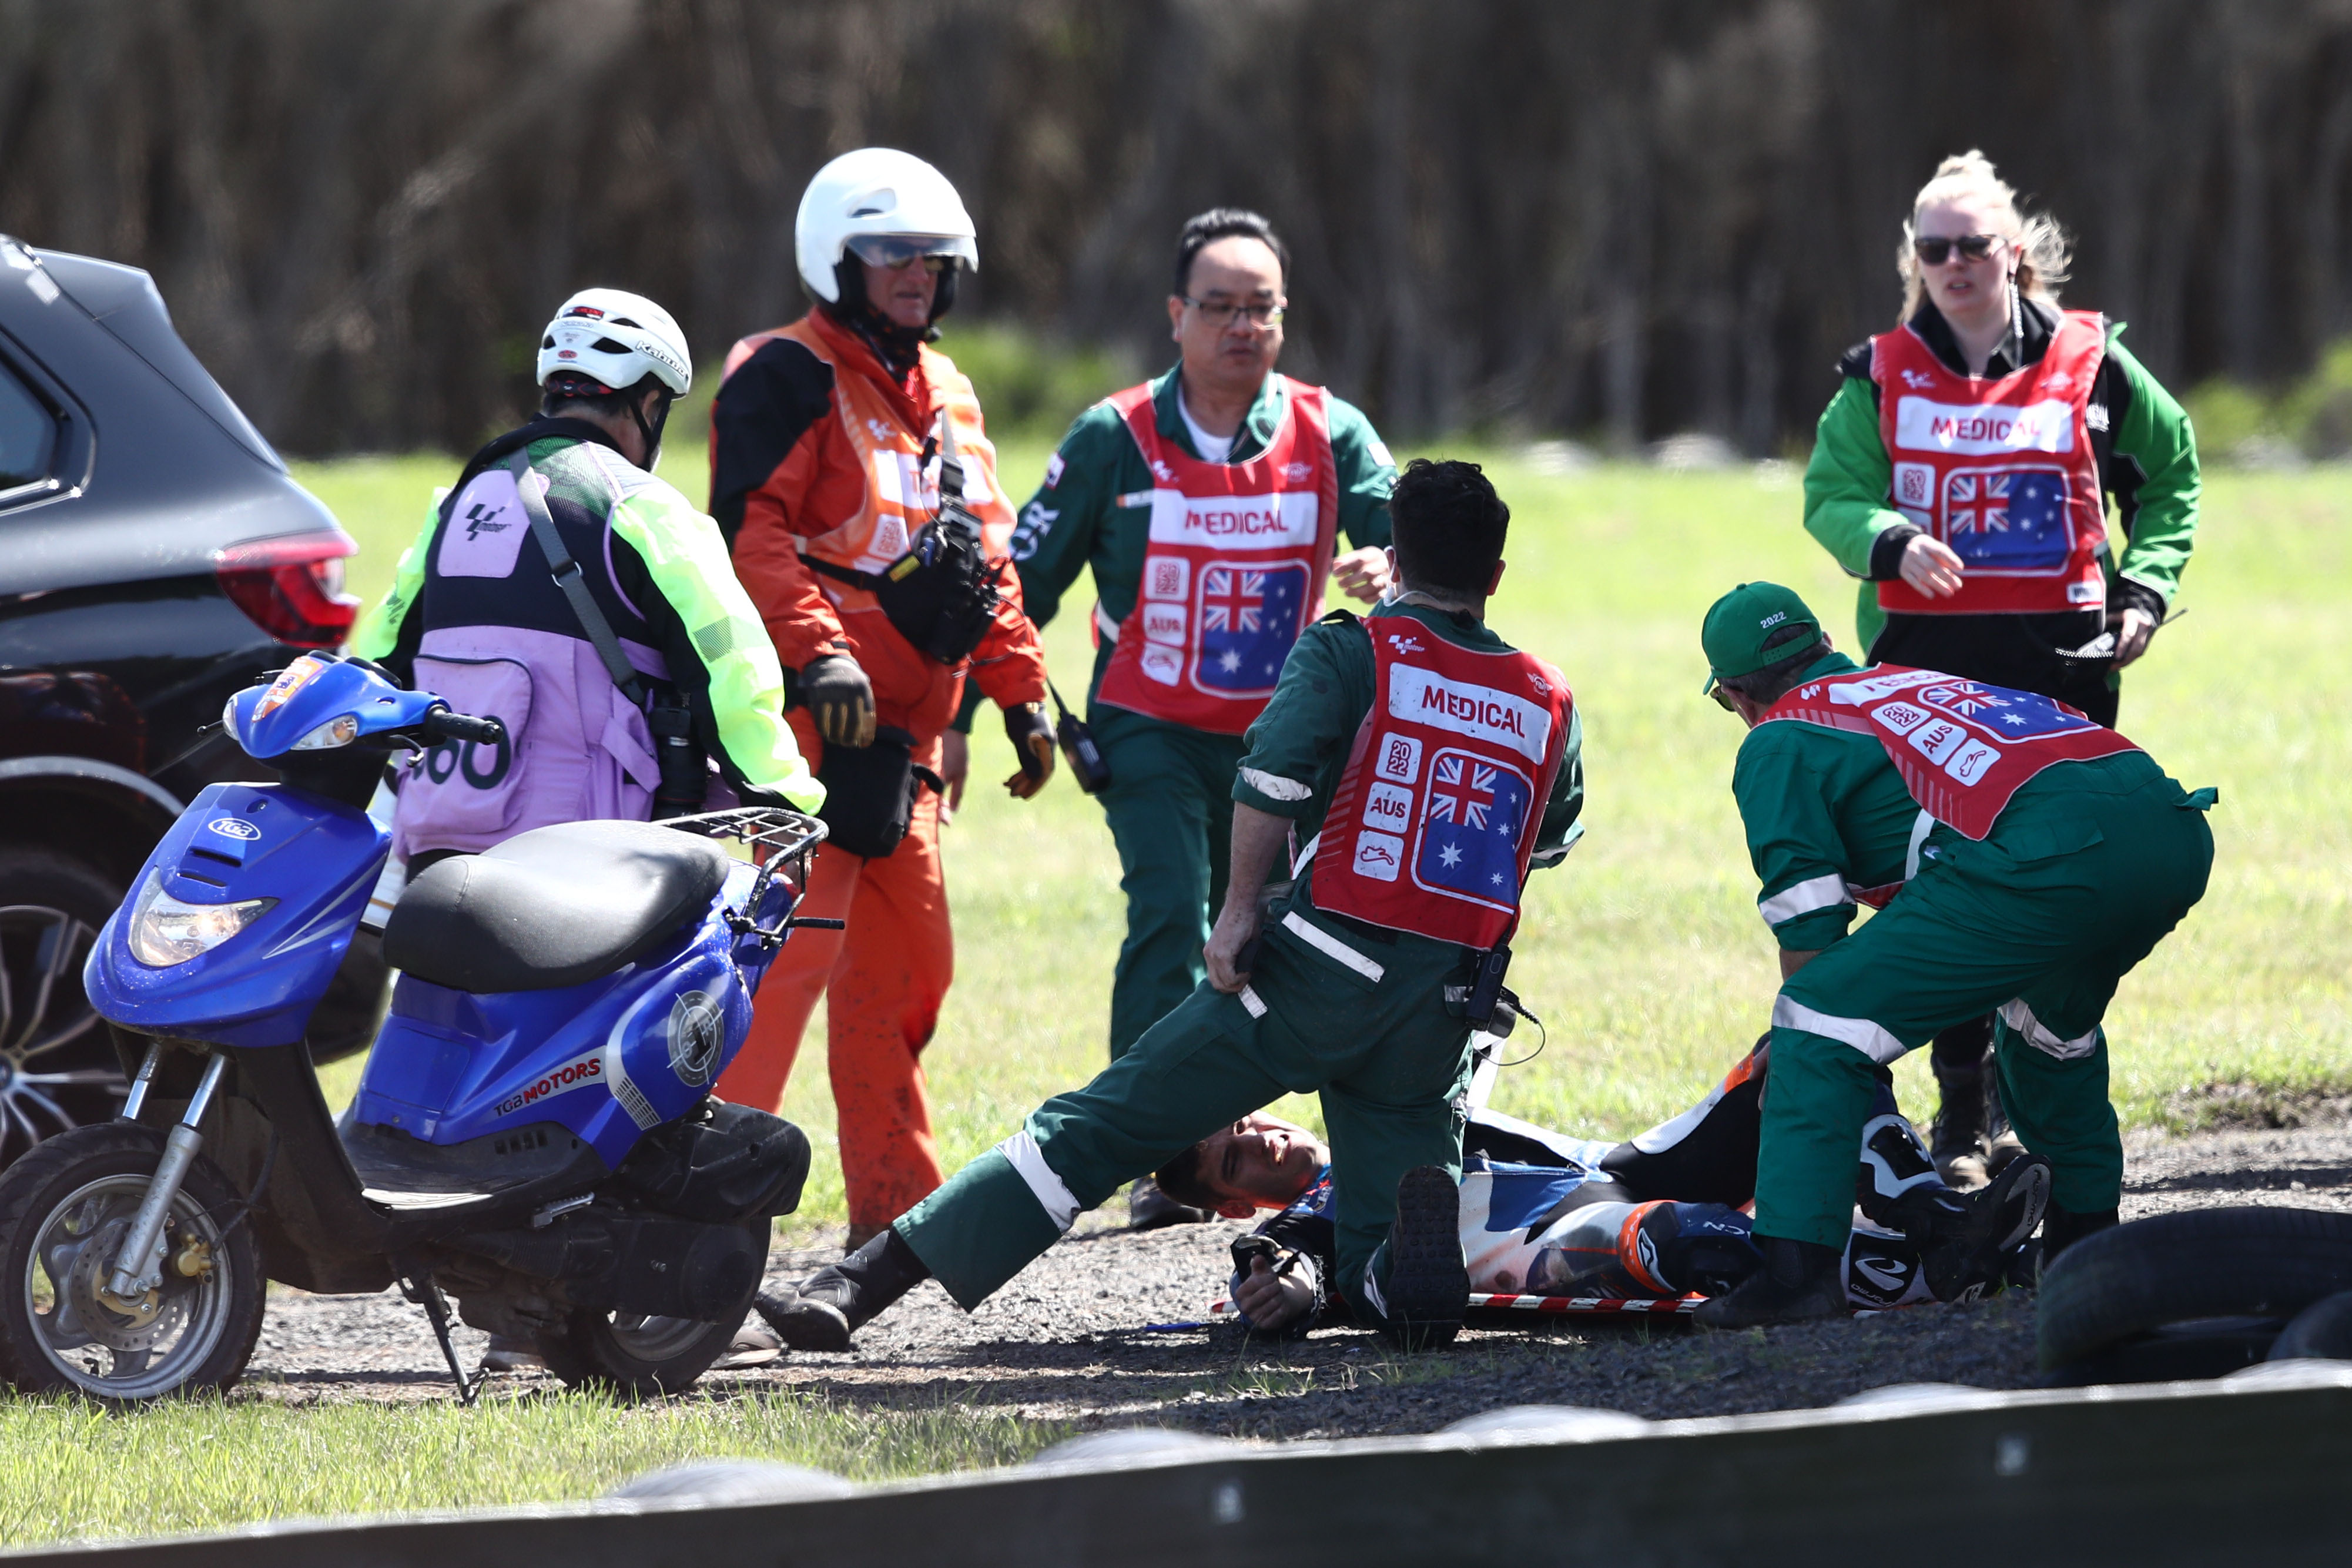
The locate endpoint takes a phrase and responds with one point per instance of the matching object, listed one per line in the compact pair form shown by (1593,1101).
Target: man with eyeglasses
(837,445)
(1962,471)
(1210,503)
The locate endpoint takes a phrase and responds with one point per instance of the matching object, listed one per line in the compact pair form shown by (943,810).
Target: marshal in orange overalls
(817,450)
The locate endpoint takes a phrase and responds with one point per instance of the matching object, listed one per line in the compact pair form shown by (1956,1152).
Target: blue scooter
(533,1134)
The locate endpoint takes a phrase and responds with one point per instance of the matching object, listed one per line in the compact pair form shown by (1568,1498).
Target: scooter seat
(553,906)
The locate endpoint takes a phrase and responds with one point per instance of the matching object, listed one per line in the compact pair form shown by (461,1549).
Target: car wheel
(58,1066)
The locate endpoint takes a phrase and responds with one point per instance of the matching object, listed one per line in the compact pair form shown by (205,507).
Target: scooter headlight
(164,930)
(340,731)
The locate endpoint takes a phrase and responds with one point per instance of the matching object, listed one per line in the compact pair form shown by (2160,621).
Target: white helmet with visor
(885,207)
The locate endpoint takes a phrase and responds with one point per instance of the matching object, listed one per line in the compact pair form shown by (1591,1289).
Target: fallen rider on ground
(1656,1217)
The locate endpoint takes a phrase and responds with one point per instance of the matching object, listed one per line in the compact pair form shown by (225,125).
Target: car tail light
(292,588)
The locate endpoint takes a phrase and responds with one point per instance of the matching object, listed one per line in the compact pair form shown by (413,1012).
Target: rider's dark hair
(569,391)
(1782,676)
(1203,229)
(1185,1178)
(1447,525)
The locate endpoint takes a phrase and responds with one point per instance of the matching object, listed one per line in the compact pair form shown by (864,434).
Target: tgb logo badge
(697,1032)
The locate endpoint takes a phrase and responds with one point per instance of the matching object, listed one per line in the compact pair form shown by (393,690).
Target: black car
(155,557)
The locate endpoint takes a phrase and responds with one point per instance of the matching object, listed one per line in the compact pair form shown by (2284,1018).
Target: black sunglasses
(1971,247)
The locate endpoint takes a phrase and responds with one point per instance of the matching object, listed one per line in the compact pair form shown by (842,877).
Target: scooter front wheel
(641,1357)
(64,1210)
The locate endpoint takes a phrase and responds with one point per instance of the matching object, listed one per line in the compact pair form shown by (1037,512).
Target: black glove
(837,691)
(1032,735)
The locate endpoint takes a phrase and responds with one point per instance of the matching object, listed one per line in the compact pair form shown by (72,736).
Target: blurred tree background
(1511,217)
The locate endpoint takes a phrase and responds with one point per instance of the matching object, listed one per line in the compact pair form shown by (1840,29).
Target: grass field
(1644,953)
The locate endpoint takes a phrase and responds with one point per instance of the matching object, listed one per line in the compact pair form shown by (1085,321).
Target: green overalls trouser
(2088,868)
(1390,1065)
(1171,810)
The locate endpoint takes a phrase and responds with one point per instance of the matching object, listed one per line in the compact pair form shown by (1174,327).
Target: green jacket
(1077,518)
(1298,749)
(669,561)
(2153,477)
(1824,811)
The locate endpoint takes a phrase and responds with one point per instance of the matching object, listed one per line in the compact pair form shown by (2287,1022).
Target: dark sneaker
(1149,1208)
(1429,1286)
(1963,1237)
(826,1307)
(1801,1282)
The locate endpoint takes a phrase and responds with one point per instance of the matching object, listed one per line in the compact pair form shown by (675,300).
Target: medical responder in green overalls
(1209,503)
(2026,857)
(1408,772)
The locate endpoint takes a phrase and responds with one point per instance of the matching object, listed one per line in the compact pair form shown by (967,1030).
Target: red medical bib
(1234,570)
(1436,817)
(2001,471)
(1963,747)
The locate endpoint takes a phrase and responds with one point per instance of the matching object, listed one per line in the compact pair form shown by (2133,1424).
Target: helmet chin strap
(651,431)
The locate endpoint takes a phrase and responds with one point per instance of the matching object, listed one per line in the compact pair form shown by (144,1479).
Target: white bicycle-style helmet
(884,204)
(616,339)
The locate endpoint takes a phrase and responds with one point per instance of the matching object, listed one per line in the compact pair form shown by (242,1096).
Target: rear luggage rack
(776,836)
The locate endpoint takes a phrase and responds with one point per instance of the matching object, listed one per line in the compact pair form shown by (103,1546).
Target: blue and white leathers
(287,873)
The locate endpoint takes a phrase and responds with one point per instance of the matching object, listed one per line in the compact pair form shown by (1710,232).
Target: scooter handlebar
(441,724)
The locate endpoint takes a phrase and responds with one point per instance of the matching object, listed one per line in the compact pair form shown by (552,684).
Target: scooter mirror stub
(312,861)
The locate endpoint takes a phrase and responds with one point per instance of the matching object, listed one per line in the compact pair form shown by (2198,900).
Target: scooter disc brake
(97,1315)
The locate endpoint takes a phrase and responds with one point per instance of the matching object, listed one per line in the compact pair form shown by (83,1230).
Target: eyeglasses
(1936,251)
(1722,695)
(1219,313)
(893,251)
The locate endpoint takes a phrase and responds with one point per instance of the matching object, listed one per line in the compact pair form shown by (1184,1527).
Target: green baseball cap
(1737,624)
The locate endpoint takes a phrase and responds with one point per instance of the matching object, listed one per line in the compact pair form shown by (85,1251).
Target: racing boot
(1801,1282)
(1964,1238)
(1149,1208)
(2064,1227)
(822,1311)
(1429,1285)
(1962,1058)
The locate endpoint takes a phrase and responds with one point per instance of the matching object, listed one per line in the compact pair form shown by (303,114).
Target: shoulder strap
(569,578)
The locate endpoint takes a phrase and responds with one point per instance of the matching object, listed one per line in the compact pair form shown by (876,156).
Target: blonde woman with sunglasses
(1964,470)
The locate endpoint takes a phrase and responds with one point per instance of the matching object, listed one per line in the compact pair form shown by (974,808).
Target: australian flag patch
(2011,517)
(1249,619)
(1470,829)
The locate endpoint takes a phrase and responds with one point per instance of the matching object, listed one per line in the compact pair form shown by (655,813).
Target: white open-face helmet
(616,339)
(884,204)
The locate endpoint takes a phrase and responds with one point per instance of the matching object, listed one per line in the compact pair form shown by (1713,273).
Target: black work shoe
(1963,1237)
(1956,1141)
(1429,1286)
(822,1311)
(1801,1282)
(1149,1208)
